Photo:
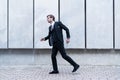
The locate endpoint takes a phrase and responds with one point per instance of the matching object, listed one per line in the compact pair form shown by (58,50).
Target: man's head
(50,18)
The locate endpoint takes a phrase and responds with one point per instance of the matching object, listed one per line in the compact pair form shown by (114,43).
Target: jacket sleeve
(48,36)
(65,28)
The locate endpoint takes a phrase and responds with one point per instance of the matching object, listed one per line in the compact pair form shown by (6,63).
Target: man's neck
(52,23)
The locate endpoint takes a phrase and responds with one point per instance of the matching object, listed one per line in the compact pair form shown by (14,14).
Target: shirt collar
(53,23)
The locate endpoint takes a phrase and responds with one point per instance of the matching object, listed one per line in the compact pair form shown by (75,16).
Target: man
(55,37)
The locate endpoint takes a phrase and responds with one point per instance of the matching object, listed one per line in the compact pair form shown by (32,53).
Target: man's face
(49,19)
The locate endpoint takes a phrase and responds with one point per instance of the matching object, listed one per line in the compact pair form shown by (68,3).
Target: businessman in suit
(55,37)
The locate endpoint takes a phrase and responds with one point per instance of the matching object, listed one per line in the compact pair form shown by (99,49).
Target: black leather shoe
(54,72)
(75,68)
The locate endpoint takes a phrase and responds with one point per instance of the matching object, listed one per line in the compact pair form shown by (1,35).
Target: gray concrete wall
(14,57)
(93,24)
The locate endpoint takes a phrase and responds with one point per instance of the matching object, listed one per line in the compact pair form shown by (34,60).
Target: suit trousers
(59,46)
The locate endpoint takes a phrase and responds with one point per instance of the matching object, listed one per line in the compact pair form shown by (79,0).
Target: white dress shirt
(52,24)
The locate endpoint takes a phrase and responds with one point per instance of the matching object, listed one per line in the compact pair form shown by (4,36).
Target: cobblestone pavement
(41,73)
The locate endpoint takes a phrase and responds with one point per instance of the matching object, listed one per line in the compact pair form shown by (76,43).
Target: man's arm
(66,29)
(45,38)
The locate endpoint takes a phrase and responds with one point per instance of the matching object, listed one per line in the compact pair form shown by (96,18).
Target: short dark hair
(51,16)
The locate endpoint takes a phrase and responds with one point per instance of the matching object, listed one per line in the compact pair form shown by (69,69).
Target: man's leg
(64,55)
(67,58)
(53,57)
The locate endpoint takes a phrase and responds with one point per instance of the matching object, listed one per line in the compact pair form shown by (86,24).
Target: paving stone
(41,73)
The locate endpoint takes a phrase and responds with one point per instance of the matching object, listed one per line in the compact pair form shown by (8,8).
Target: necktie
(51,40)
(52,27)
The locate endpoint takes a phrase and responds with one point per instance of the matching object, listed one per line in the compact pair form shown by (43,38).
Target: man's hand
(43,39)
(67,40)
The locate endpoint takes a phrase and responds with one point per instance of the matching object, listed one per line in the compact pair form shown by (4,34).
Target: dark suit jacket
(57,32)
